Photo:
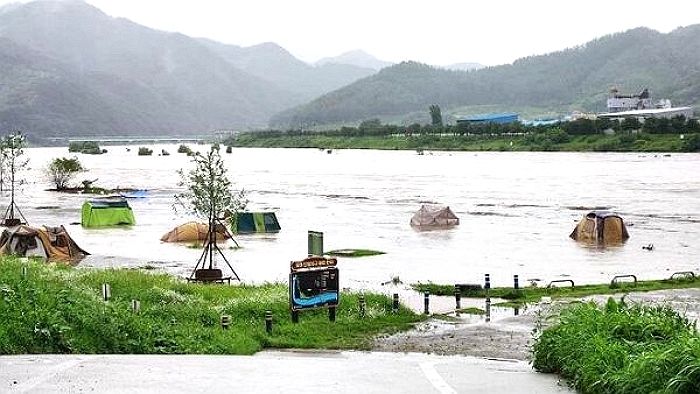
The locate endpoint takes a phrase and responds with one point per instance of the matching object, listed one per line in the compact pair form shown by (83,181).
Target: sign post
(313,283)
(315,243)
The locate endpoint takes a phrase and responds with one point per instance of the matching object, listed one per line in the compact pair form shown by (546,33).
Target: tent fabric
(600,227)
(255,222)
(193,231)
(434,216)
(49,243)
(107,212)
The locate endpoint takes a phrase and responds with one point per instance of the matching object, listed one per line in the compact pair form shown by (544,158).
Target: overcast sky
(437,32)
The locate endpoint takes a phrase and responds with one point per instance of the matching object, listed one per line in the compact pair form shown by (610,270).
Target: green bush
(86,147)
(621,349)
(144,151)
(184,149)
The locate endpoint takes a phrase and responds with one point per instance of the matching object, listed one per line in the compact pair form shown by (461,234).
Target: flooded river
(516,211)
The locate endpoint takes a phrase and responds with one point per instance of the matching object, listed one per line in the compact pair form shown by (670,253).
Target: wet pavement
(272,372)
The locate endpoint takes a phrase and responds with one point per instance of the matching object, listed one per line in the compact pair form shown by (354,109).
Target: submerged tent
(193,231)
(113,211)
(434,216)
(255,222)
(600,227)
(50,243)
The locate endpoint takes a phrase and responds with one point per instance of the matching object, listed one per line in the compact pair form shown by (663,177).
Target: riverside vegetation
(56,309)
(620,348)
(654,135)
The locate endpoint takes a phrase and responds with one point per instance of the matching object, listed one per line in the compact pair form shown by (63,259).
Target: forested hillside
(576,79)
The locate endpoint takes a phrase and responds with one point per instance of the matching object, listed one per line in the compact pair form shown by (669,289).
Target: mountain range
(71,70)
(573,79)
(68,69)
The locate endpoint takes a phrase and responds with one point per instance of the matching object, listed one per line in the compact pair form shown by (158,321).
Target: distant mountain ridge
(69,69)
(273,63)
(357,58)
(575,78)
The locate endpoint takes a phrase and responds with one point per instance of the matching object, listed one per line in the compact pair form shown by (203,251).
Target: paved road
(272,372)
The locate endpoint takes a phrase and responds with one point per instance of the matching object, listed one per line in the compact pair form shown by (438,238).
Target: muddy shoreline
(511,337)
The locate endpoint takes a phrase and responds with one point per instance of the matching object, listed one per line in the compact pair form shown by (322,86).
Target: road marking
(43,377)
(435,379)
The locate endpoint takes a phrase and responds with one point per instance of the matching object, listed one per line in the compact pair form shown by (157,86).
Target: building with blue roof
(502,118)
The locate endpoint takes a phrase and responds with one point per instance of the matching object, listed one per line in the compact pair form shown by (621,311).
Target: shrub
(61,170)
(86,147)
(621,349)
(144,151)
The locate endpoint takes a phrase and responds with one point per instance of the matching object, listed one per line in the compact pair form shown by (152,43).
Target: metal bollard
(268,322)
(487,282)
(426,302)
(24,271)
(458,298)
(135,306)
(395,303)
(363,305)
(516,284)
(488,309)
(516,311)
(225,321)
(106,292)
(295,316)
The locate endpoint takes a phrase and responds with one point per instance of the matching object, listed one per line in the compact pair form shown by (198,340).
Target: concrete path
(272,372)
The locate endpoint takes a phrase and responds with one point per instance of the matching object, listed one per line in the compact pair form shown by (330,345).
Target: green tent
(106,212)
(256,222)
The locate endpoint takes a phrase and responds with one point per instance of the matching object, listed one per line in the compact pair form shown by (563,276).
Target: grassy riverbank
(621,349)
(531,142)
(530,294)
(60,310)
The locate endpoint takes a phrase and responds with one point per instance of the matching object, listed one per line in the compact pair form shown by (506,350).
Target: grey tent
(434,216)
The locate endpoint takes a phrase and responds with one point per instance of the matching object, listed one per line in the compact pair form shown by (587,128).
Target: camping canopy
(434,216)
(193,231)
(255,222)
(113,211)
(600,227)
(50,243)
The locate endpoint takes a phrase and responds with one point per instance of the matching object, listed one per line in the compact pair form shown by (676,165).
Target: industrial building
(503,118)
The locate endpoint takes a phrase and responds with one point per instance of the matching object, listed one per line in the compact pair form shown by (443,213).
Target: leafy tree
(12,153)
(435,115)
(209,195)
(209,192)
(61,170)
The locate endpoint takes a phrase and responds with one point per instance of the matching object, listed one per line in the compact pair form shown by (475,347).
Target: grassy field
(530,294)
(583,143)
(60,310)
(621,349)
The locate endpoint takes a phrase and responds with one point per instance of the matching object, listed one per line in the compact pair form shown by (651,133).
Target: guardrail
(549,286)
(614,280)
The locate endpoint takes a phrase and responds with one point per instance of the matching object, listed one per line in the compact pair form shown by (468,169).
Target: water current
(516,212)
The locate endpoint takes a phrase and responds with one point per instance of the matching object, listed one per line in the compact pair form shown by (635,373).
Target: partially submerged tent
(194,231)
(49,243)
(434,216)
(255,222)
(112,211)
(600,227)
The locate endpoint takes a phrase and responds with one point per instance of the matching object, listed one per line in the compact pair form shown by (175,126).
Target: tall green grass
(619,348)
(60,310)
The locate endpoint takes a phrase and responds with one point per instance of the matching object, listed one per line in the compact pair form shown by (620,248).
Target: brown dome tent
(434,216)
(193,231)
(49,243)
(600,227)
